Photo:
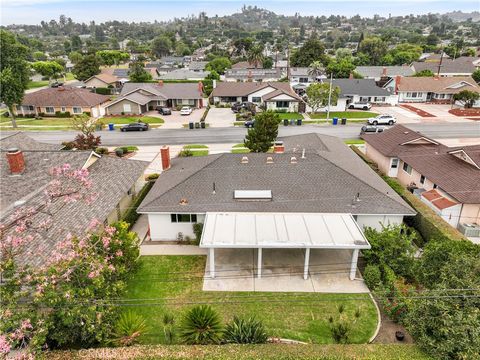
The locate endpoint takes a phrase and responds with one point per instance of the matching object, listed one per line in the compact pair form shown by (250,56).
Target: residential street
(236,134)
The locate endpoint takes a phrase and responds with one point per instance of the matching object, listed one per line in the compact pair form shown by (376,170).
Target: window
(50,110)
(77,110)
(127,108)
(422,179)
(282,104)
(364,99)
(186,218)
(303,80)
(63,109)
(407,168)
(409,94)
(394,163)
(380,98)
(256,99)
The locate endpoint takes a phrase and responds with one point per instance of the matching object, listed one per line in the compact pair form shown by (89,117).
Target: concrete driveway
(402,115)
(282,271)
(220,117)
(176,121)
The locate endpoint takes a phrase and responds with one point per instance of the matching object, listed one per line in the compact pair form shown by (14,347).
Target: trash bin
(299,122)
(197,125)
(190,125)
(344,121)
(202,124)
(111,126)
(285,122)
(335,121)
(292,122)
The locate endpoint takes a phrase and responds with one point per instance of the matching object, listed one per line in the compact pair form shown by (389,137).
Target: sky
(34,11)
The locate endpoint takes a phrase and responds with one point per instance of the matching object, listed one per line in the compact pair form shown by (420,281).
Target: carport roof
(282,230)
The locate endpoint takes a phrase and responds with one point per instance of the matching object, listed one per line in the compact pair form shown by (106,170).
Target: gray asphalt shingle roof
(377,71)
(327,180)
(362,87)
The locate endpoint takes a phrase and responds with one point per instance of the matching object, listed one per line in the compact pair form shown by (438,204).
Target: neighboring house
(159,67)
(103,80)
(259,75)
(311,193)
(433,89)
(24,175)
(63,99)
(300,78)
(197,65)
(184,74)
(379,72)
(282,65)
(174,61)
(138,98)
(446,178)
(462,66)
(275,95)
(243,65)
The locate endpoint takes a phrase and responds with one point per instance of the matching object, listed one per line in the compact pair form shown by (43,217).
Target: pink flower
(26,325)
(4,345)
(119,253)
(94,224)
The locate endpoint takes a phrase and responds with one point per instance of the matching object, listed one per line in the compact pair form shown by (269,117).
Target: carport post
(353,268)
(307,259)
(259,263)
(211,256)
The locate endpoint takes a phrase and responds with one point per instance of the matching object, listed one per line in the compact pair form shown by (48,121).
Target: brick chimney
(160,82)
(165,154)
(350,76)
(384,71)
(278,149)
(397,82)
(200,87)
(16,161)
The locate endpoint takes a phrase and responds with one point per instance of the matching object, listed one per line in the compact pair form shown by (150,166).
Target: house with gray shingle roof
(25,173)
(263,200)
(379,72)
(138,98)
(461,66)
(446,178)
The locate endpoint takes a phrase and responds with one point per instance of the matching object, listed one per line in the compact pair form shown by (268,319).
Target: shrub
(341,308)
(185,153)
(103,91)
(201,325)
(245,331)
(119,152)
(68,145)
(60,114)
(152,177)
(340,332)
(169,328)
(101,150)
(372,276)
(131,215)
(128,329)
(197,230)
(87,113)
(388,277)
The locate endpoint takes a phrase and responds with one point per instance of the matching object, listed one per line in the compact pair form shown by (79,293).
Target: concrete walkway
(160,249)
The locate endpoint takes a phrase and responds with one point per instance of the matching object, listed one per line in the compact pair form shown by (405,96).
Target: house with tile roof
(313,193)
(138,98)
(275,95)
(446,178)
(50,101)
(433,89)
(24,175)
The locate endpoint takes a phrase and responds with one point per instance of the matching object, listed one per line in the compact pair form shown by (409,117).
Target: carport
(306,231)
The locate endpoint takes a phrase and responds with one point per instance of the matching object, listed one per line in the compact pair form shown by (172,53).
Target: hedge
(426,222)
(241,352)
(103,91)
(131,215)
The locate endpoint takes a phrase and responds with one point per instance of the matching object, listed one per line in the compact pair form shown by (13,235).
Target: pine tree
(265,131)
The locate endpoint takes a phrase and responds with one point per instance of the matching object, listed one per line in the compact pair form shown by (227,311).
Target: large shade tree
(312,50)
(87,67)
(49,69)
(318,95)
(14,71)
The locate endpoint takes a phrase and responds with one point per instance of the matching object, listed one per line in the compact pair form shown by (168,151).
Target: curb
(377,330)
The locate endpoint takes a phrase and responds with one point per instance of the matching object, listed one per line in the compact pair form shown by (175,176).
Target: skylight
(252,195)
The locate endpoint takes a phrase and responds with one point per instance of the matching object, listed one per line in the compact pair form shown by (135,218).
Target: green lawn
(196,146)
(31,124)
(130,119)
(197,152)
(344,114)
(354,141)
(292,115)
(239,149)
(37,84)
(170,284)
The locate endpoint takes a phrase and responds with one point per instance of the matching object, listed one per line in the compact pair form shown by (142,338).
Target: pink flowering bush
(66,302)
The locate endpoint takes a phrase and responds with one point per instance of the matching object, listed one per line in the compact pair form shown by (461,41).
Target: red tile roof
(439,201)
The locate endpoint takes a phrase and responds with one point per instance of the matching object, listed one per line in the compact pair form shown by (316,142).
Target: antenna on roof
(214,192)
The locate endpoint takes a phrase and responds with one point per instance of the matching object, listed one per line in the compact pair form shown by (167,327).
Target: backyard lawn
(173,284)
(344,114)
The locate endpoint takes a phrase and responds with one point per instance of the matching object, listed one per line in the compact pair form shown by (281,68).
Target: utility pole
(440,64)
(329,96)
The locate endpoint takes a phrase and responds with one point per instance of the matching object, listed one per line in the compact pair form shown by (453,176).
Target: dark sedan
(164,110)
(138,126)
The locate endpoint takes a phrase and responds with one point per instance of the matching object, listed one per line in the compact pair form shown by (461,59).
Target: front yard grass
(130,119)
(173,284)
(239,149)
(194,149)
(344,114)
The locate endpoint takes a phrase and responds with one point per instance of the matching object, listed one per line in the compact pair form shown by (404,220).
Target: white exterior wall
(292,103)
(451,215)
(421,97)
(341,105)
(260,93)
(162,228)
(376,221)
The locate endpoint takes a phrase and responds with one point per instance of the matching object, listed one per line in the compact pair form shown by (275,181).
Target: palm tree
(255,55)
(201,325)
(316,69)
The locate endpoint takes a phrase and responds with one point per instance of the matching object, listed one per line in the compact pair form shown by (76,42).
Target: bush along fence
(426,222)
(131,215)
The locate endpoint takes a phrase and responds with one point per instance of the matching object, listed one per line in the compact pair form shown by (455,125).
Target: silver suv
(360,105)
(382,119)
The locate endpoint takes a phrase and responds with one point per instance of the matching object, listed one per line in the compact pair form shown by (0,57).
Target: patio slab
(282,271)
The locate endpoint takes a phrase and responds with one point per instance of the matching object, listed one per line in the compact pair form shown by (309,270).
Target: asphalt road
(237,134)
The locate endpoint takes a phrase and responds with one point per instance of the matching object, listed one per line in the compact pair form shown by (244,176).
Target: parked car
(360,105)
(164,110)
(371,129)
(136,126)
(56,84)
(249,123)
(382,119)
(237,107)
(185,110)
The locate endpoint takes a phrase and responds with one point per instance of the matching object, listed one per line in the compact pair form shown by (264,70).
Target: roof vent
(303,153)
(252,195)
(269,160)
(293,160)
(183,201)
(244,160)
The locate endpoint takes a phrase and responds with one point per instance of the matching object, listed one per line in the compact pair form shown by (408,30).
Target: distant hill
(461,16)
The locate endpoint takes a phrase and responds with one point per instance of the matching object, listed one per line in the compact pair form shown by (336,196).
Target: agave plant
(201,325)
(245,331)
(169,328)
(128,329)
(340,333)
